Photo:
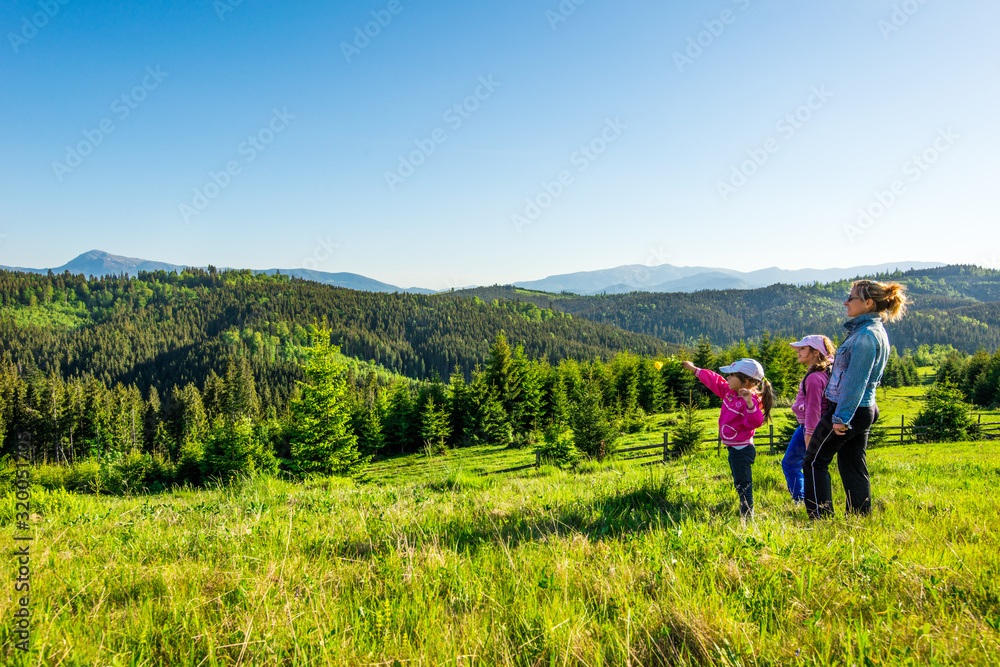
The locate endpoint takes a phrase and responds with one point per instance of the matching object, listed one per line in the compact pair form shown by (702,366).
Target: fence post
(902,427)
(666,445)
(770,436)
(538,459)
(718,445)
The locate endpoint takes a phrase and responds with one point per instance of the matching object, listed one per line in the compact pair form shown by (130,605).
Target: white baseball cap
(749,367)
(815,342)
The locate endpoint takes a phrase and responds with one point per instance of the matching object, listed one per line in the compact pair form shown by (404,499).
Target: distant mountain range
(99,263)
(619,280)
(668,278)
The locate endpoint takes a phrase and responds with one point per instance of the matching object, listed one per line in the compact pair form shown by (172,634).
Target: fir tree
(434,427)
(689,432)
(400,424)
(594,434)
(321,438)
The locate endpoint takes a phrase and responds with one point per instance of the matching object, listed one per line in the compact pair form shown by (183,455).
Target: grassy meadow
(615,565)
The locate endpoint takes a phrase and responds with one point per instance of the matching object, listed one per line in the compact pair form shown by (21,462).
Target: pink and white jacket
(810,404)
(737,422)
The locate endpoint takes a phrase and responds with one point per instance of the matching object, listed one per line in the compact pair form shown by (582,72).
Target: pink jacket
(737,422)
(809,406)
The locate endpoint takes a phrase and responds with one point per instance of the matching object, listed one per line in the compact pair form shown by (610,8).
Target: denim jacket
(858,366)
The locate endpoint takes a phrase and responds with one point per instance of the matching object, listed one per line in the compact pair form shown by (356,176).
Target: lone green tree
(321,439)
(594,433)
(690,431)
(945,417)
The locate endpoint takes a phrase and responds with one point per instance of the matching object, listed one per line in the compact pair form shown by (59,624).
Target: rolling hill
(957,305)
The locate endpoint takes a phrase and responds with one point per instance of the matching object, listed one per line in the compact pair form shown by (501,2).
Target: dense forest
(163,329)
(952,305)
(181,367)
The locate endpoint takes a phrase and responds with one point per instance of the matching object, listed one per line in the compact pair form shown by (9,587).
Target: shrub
(189,468)
(50,476)
(524,440)
(593,432)
(945,416)
(129,473)
(557,448)
(8,474)
(689,432)
(237,448)
(635,421)
(85,477)
(161,473)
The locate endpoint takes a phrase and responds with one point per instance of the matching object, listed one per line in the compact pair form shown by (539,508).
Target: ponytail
(824,364)
(890,298)
(766,398)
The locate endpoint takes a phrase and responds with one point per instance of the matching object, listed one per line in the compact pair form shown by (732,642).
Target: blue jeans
(792,464)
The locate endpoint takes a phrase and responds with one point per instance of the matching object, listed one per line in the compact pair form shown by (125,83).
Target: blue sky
(740,134)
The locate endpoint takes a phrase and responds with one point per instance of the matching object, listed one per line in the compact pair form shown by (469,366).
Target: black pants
(740,464)
(850,450)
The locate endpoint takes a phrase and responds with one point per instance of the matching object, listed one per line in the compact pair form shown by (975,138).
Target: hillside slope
(959,305)
(165,328)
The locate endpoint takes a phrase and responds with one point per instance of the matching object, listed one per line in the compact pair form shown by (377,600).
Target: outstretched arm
(715,382)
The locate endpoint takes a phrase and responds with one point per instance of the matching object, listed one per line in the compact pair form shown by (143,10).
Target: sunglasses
(851,297)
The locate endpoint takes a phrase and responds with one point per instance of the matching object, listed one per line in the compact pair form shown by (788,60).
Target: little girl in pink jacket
(746,404)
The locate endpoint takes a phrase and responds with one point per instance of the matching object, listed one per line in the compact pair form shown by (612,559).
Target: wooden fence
(890,435)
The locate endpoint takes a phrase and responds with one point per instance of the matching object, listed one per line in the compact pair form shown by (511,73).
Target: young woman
(857,371)
(746,403)
(816,352)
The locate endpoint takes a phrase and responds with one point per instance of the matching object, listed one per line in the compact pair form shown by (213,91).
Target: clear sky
(466,143)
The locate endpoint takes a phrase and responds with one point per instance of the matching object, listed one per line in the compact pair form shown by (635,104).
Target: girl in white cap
(816,352)
(746,404)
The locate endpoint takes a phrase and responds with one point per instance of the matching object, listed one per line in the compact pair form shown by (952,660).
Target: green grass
(617,565)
